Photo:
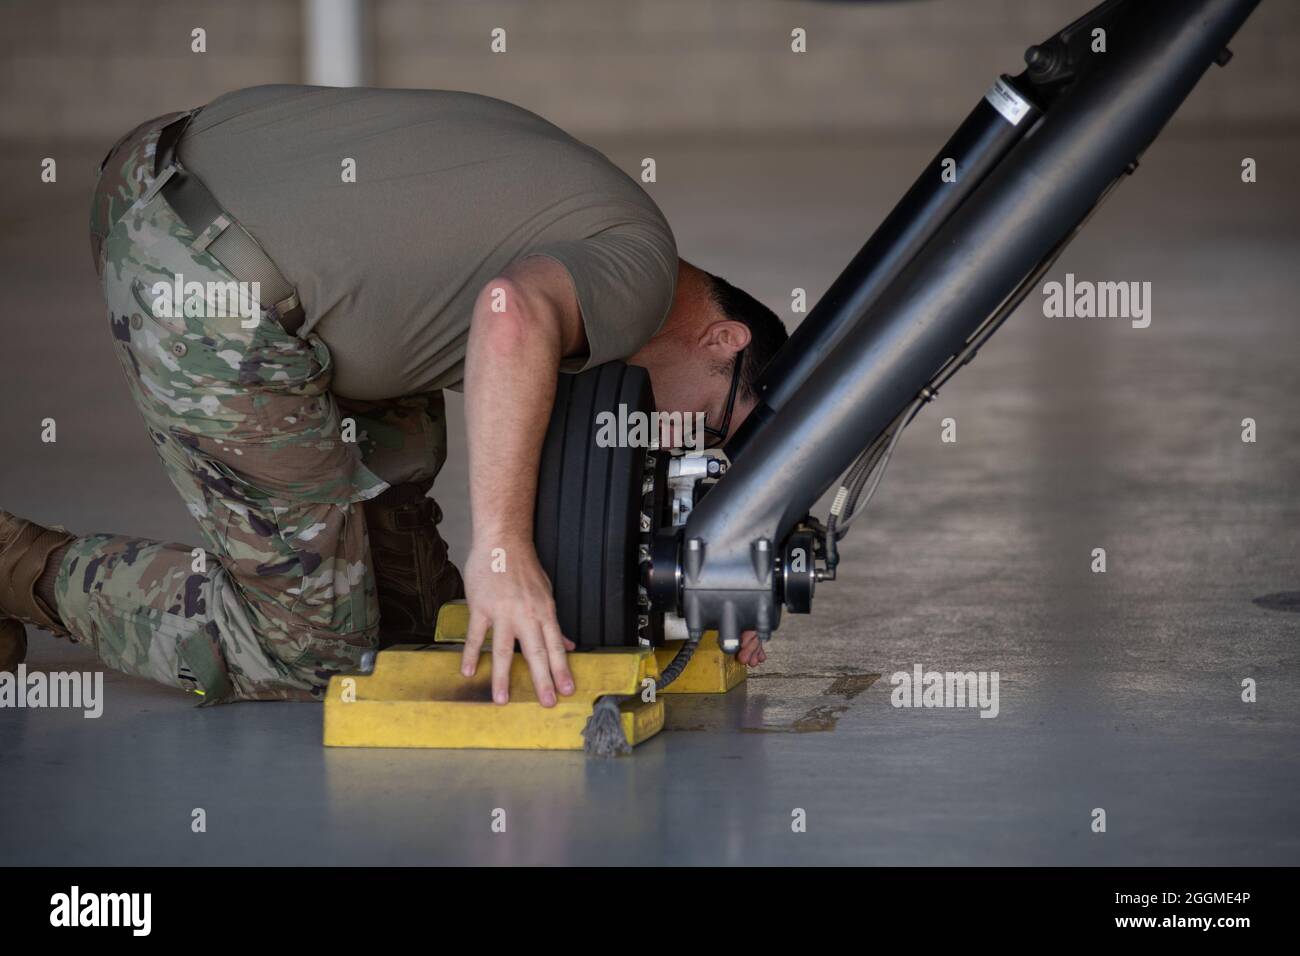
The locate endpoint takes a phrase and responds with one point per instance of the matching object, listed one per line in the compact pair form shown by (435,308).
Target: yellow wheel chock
(416,697)
(709,672)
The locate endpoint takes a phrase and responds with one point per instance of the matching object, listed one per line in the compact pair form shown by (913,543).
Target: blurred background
(764,156)
(1119,690)
(90,69)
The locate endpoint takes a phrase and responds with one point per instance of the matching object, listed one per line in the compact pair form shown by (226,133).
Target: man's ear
(724,339)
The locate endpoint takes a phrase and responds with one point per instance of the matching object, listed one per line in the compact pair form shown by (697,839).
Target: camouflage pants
(283,595)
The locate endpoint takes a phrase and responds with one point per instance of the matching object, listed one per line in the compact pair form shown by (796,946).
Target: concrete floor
(1118,690)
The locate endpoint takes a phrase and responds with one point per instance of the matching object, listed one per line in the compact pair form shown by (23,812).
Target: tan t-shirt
(450,188)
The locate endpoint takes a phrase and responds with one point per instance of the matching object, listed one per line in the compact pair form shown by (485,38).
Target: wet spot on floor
(1281,601)
(849,686)
(818,720)
(771,703)
(789,703)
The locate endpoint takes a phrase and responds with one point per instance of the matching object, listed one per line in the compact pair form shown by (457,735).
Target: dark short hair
(766,332)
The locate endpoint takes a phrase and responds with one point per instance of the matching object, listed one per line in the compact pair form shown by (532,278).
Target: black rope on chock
(603,734)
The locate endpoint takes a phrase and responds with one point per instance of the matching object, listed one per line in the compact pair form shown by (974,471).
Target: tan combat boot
(25,549)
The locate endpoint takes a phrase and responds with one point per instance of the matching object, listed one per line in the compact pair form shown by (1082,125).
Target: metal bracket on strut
(1055,61)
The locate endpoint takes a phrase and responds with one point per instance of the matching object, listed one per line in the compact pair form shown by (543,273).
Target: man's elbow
(508,319)
(503,321)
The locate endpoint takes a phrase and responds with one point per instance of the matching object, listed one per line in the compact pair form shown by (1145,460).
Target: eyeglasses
(718,435)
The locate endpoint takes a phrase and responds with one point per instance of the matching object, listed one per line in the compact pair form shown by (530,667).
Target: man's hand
(751,652)
(509,592)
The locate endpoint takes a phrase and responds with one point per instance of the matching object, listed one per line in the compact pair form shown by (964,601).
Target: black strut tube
(1120,100)
(981,141)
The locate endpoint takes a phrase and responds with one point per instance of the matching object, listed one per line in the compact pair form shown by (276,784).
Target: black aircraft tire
(587,520)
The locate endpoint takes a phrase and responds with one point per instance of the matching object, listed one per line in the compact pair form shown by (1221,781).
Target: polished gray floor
(1119,691)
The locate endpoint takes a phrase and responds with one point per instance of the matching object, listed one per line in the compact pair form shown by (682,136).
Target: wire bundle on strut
(870,466)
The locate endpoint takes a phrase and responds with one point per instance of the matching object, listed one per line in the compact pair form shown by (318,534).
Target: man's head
(694,357)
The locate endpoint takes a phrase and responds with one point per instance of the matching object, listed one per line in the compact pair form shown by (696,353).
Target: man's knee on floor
(178,617)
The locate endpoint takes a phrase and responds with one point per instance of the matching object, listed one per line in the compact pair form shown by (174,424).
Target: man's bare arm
(525,321)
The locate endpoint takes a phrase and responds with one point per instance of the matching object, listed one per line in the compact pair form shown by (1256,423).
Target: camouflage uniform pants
(283,595)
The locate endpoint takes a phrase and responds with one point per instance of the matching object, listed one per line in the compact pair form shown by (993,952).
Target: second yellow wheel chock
(416,697)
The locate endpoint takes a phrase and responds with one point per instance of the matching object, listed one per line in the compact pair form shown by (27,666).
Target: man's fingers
(503,652)
(474,635)
(751,652)
(555,647)
(534,648)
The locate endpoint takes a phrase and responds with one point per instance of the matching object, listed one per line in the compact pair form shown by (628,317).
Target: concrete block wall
(89,69)
(92,69)
(726,65)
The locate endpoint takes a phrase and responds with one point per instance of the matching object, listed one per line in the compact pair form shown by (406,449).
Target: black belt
(217,232)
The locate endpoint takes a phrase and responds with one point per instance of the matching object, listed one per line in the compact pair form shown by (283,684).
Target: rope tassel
(603,734)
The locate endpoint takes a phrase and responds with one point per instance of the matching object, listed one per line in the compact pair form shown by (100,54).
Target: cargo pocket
(281,429)
(301,564)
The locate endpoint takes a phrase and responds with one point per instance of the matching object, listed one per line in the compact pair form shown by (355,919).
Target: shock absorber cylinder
(996,124)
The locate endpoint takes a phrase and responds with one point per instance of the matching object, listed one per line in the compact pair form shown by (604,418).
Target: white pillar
(333,42)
